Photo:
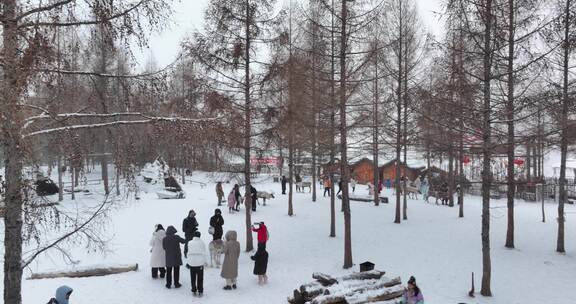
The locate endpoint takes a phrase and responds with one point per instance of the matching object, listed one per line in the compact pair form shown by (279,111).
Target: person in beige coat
(231,252)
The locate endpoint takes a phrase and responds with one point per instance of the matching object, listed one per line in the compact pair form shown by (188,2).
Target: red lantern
(518,162)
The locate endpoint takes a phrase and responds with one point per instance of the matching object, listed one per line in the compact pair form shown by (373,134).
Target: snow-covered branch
(147,120)
(44,8)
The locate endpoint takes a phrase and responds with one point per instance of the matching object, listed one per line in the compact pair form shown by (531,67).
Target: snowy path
(436,246)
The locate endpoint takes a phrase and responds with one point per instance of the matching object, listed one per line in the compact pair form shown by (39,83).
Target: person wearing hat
(189,226)
(62,295)
(216,222)
(260,259)
(171,244)
(231,251)
(157,253)
(412,294)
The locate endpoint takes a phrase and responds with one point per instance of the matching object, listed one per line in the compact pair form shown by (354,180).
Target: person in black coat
(283,184)
(171,244)
(444,193)
(217,221)
(261,264)
(190,225)
(254,195)
(238,196)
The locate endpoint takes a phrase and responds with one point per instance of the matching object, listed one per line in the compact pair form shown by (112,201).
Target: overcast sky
(188,16)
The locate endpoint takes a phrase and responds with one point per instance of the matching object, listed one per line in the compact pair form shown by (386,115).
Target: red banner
(255,161)
(518,162)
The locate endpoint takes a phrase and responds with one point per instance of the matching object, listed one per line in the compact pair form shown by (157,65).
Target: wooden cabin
(388,171)
(363,171)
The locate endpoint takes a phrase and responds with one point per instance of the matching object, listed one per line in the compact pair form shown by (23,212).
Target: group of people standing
(166,256)
(327,184)
(234,198)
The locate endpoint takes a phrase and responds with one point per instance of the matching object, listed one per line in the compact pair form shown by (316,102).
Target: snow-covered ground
(434,245)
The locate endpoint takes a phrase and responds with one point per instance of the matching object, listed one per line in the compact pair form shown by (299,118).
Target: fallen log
(358,288)
(370,291)
(324,279)
(366,275)
(377,285)
(312,290)
(297,298)
(83,273)
(385,296)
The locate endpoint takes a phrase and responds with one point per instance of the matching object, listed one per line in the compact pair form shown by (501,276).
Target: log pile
(357,288)
(83,273)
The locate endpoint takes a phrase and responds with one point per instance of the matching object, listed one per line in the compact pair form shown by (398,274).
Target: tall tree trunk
(104,166)
(314,108)
(247,129)
(72,186)
(314,162)
(290,124)
(461,177)
(528,160)
(13,158)
(510,118)
(117,180)
(399,122)
(343,142)
(564,133)
(60,182)
(332,128)
(487,154)
(451,173)
(290,170)
(376,122)
(405,131)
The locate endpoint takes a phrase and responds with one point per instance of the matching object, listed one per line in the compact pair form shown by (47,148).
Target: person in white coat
(195,261)
(158,256)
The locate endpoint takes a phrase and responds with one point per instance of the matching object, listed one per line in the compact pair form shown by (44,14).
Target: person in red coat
(262,231)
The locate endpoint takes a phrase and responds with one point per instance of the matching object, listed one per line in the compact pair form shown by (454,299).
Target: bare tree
(226,48)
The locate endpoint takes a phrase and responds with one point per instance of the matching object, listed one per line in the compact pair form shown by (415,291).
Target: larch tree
(228,49)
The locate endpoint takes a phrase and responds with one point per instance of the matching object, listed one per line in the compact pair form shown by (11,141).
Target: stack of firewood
(360,287)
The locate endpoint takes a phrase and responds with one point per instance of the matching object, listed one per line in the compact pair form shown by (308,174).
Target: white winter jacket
(158,256)
(196,253)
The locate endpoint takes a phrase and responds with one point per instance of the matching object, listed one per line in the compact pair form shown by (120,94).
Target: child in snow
(327,186)
(412,294)
(353,184)
(62,295)
(370,189)
(231,252)
(171,244)
(158,255)
(260,259)
(231,201)
(195,262)
(424,187)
